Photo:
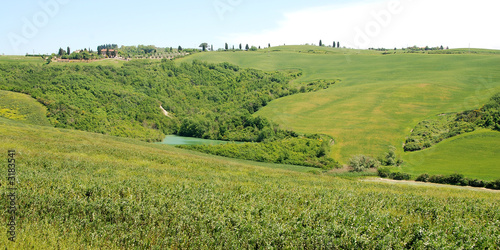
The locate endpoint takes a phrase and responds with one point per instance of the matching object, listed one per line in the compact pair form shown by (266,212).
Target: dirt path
(428,184)
(165,112)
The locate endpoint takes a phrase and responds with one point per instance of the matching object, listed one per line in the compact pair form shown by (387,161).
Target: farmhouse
(112,53)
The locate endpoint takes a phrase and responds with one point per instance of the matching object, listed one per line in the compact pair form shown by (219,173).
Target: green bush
(360,163)
(399,176)
(297,151)
(423,178)
(493,185)
(440,179)
(456,179)
(476,183)
(383,172)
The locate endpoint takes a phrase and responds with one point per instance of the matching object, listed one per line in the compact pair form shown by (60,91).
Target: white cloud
(388,23)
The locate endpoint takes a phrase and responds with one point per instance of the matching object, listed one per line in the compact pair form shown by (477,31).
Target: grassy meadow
(21,107)
(83,190)
(474,155)
(380,97)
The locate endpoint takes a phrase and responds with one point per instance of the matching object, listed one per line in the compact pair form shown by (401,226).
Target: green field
(21,107)
(474,155)
(83,190)
(380,97)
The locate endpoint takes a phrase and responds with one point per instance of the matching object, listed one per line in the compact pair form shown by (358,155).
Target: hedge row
(454,179)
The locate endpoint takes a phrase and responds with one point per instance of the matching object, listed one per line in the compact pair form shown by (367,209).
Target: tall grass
(83,190)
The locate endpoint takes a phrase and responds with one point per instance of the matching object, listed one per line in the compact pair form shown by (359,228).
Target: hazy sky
(43,26)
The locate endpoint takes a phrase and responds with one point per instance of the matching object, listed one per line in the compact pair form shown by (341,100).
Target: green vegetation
(150,51)
(430,132)
(475,155)
(308,151)
(381,98)
(453,179)
(203,100)
(82,190)
(360,163)
(458,179)
(211,101)
(16,106)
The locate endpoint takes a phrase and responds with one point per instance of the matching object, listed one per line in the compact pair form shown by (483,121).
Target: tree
(240,46)
(442,48)
(212,47)
(338,44)
(269,45)
(334,44)
(253,48)
(247,47)
(320,43)
(61,52)
(179,48)
(107,52)
(68,51)
(226,47)
(204,46)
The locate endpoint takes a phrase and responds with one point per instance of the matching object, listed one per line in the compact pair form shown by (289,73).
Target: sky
(44,26)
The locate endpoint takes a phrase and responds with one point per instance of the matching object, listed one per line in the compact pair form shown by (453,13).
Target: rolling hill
(380,97)
(78,189)
(83,190)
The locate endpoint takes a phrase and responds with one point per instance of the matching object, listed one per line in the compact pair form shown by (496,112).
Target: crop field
(474,155)
(81,190)
(380,98)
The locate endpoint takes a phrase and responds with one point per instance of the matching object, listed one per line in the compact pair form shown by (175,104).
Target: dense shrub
(438,179)
(390,158)
(456,179)
(383,172)
(423,178)
(476,183)
(493,185)
(310,152)
(361,163)
(399,176)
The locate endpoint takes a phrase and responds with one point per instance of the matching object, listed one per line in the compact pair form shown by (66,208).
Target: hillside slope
(21,107)
(475,155)
(380,97)
(84,190)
